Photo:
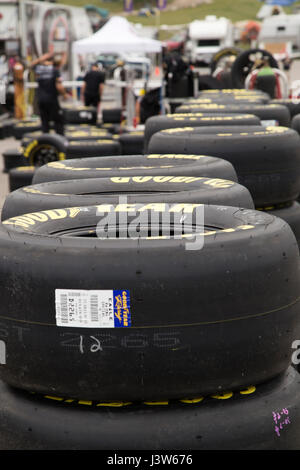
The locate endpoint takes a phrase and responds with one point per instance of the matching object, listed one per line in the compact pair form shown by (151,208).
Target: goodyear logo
(178,156)
(206,106)
(122,315)
(178,129)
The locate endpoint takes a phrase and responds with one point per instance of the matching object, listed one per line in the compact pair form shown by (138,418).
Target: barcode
(64,308)
(94,308)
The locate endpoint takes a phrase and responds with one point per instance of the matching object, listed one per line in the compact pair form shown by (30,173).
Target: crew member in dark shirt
(92,88)
(49,87)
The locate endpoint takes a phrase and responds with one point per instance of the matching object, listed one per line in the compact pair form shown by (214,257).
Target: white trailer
(30,28)
(208,36)
(281,29)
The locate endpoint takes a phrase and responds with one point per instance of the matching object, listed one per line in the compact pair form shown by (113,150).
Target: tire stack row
(37,149)
(79,120)
(116,334)
(266,159)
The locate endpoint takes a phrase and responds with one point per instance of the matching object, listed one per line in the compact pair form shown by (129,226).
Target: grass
(236,10)
(114,6)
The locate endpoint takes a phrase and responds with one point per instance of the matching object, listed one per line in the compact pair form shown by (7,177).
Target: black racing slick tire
(276,113)
(265,417)
(296,123)
(80,114)
(267,160)
(90,148)
(137,314)
(132,143)
(292,104)
(244,62)
(137,165)
(233,92)
(226,99)
(22,127)
(141,189)
(290,213)
(157,123)
(219,57)
(89,133)
(113,116)
(20,176)
(45,148)
(13,158)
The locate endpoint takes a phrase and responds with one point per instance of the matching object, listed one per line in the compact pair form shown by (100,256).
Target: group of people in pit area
(50,87)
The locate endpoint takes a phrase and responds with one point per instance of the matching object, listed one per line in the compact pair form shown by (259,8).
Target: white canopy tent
(117,36)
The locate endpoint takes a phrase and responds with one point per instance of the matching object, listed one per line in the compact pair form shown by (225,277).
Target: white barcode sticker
(92,308)
(269,122)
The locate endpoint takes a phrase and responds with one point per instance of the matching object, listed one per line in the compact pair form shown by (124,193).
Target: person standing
(92,88)
(19,98)
(49,88)
(265,78)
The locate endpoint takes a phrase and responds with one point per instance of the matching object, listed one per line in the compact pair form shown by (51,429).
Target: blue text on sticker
(122,315)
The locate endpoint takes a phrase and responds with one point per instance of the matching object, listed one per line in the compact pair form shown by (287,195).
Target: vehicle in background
(176,42)
(206,37)
(138,67)
(280,35)
(30,28)
(281,29)
(148,11)
(108,63)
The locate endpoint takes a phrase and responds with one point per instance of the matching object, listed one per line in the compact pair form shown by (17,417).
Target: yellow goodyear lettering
(125,208)
(120,179)
(219,183)
(74,211)
(162,179)
(183,179)
(104,208)
(57,214)
(155,206)
(184,115)
(206,106)
(56,165)
(25,221)
(178,129)
(157,179)
(178,156)
(141,179)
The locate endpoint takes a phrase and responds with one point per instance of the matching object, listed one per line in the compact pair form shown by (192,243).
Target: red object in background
(176,42)
(250,31)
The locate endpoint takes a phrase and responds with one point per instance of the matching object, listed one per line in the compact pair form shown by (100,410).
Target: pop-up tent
(117,36)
